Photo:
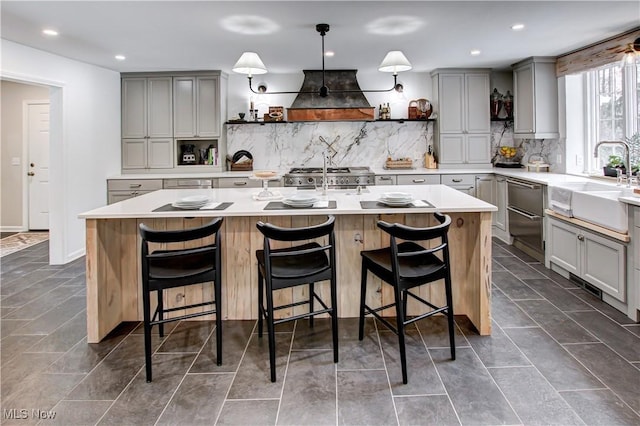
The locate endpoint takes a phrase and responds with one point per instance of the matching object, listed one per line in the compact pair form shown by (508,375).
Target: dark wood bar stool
(405,266)
(165,269)
(302,264)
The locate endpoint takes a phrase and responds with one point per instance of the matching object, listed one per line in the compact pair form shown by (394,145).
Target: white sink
(560,196)
(602,208)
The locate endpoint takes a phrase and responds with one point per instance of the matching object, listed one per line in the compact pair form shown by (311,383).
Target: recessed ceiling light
(49,32)
(475,52)
(329,53)
(120,57)
(517,27)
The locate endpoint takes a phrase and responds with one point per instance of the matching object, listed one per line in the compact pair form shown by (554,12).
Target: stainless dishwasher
(187,183)
(525,206)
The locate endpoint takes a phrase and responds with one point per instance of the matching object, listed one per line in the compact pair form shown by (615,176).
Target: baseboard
(75,255)
(12,229)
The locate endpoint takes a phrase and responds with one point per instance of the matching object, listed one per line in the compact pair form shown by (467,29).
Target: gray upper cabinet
(535,99)
(196,111)
(147,107)
(463,127)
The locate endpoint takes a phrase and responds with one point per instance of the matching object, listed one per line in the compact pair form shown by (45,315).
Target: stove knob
(357,180)
(290,181)
(310,180)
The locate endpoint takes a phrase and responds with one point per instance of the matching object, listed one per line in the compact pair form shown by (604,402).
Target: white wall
(572,107)
(84,137)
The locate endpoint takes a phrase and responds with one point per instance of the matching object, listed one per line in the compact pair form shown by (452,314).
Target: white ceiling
(192,35)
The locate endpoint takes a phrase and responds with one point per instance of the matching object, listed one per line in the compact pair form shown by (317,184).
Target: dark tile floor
(557,355)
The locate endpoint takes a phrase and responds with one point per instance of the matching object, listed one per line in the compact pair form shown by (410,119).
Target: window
(612,112)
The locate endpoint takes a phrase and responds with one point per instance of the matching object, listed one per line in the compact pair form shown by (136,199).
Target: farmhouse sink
(601,208)
(560,196)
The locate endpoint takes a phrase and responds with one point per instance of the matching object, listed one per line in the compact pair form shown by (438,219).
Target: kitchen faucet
(627,161)
(326,156)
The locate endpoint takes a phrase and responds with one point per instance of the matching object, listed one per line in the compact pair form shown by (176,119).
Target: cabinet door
(134,108)
(452,149)
(160,107)
(563,246)
(184,109)
(451,96)
(478,148)
(524,101)
(134,153)
(385,180)
(485,188)
(418,179)
(500,217)
(208,99)
(477,105)
(604,264)
(160,153)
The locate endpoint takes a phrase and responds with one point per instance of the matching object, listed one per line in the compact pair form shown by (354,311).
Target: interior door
(38,170)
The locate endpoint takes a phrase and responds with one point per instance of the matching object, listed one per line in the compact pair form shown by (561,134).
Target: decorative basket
(239,167)
(398,164)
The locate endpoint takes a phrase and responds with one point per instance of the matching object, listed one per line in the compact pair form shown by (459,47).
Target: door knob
(31,174)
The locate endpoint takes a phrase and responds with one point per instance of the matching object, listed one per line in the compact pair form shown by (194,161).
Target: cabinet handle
(580,237)
(384,178)
(458,180)
(500,180)
(239,183)
(418,180)
(134,193)
(133,185)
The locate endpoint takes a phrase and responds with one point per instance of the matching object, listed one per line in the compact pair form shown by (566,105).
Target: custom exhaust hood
(347,103)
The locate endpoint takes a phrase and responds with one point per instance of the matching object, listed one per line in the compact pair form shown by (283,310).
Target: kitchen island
(113,251)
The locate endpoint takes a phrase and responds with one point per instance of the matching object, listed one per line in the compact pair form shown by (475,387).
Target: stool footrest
(154,321)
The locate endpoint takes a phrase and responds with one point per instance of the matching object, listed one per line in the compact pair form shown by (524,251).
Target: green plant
(615,161)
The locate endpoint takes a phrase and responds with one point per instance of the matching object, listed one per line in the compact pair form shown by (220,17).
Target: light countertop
(444,198)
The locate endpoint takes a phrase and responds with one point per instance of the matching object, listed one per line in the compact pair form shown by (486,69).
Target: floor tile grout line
(435,368)
(386,370)
(128,385)
(573,357)
(195,358)
(83,312)
(235,373)
(286,369)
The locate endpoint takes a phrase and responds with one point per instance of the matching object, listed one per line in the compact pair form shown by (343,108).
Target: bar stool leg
(452,341)
(160,312)
(311,291)
(218,295)
(363,296)
(271,332)
(334,317)
(147,334)
(260,302)
(400,326)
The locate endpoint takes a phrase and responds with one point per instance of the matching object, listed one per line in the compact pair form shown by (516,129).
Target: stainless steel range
(337,177)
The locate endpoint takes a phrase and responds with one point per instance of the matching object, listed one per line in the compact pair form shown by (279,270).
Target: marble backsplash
(363,143)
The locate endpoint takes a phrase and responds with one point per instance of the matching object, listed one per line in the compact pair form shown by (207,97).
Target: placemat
(379,205)
(170,208)
(279,205)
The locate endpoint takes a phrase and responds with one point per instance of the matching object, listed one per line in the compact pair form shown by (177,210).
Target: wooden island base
(114,279)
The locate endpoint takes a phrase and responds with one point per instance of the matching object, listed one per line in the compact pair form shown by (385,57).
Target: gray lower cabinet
(244,182)
(590,256)
(500,217)
(123,189)
(386,180)
(418,179)
(463,183)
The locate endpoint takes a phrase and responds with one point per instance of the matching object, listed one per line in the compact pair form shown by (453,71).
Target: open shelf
(502,119)
(392,120)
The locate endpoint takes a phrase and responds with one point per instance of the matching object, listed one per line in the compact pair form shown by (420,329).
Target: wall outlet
(558,158)
(579,160)
(15,161)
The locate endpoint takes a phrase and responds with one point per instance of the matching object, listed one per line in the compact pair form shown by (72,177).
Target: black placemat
(279,205)
(379,205)
(170,208)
